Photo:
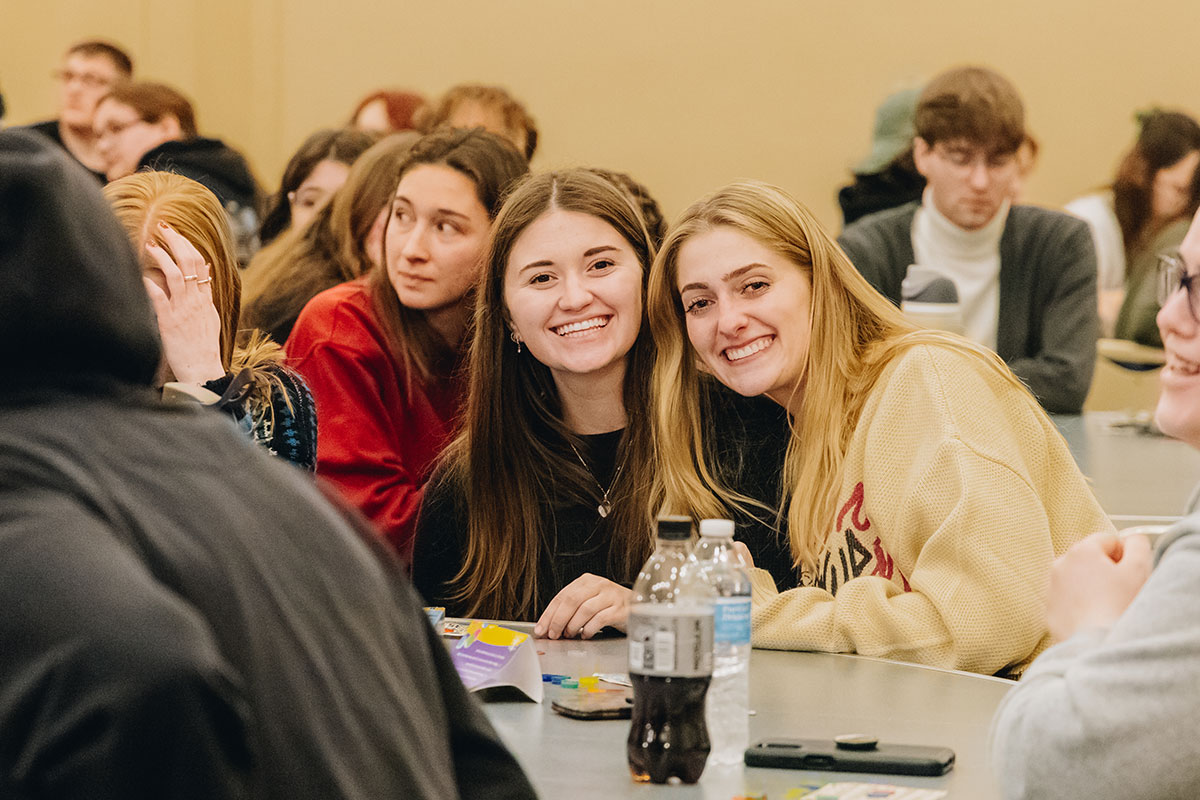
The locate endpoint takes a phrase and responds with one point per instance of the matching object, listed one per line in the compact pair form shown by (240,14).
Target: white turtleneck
(969,258)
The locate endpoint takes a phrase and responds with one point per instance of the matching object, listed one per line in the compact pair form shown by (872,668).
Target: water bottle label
(670,641)
(731,620)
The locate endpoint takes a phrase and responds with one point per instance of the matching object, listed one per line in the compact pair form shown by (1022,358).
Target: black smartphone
(853,754)
(599,705)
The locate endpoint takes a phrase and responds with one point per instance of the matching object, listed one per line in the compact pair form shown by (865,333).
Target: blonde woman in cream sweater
(925,492)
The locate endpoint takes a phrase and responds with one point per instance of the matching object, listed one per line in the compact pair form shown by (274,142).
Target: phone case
(816,754)
(603,705)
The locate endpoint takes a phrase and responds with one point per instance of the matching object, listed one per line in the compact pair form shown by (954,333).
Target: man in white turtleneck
(1025,276)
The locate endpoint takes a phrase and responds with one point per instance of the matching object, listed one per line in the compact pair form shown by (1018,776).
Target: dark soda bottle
(670,660)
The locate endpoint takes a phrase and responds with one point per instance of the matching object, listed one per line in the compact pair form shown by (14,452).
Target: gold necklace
(604,506)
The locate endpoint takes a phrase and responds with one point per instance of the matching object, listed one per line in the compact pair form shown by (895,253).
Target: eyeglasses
(89,79)
(967,157)
(117,128)
(1173,276)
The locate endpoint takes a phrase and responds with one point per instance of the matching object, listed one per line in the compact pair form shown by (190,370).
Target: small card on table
(489,655)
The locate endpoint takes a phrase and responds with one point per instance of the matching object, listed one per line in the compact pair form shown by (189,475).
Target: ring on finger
(190,277)
(203,281)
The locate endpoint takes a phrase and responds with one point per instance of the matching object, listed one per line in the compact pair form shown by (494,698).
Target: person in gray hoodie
(1111,709)
(184,616)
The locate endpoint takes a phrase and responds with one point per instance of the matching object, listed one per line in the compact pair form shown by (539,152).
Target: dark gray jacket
(182,615)
(1048,318)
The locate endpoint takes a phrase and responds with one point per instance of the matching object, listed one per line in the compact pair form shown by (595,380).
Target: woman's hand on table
(583,607)
(188,322)
(1093,583)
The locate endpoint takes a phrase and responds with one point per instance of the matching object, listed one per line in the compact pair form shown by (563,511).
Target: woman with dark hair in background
(312,176)
(182,237)
(342,243)
(1145,212)
(382,353)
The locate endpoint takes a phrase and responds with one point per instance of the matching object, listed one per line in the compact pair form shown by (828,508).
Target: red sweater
(376,442)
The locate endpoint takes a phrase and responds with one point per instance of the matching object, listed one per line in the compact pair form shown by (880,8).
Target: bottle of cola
(670,660)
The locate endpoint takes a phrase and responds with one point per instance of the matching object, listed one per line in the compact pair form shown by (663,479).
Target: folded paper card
(489,655)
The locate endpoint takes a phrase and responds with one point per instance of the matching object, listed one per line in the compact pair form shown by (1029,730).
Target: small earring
(513,335)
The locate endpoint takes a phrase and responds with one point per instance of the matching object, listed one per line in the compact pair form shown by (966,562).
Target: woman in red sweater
(381,353)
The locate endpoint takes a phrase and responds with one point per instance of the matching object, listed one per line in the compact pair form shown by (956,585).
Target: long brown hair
(145,198)
(332,249)
(513,456)
(492,164)
(1165,139)
(341,146)
(855,334)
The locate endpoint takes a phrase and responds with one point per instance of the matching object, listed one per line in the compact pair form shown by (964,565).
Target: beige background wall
(685,95)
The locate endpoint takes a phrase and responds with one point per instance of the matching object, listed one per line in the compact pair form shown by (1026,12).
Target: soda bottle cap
(716,527)
(674,528)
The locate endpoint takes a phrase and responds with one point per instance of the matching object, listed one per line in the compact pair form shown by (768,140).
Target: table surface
(793,695)
(1137,476)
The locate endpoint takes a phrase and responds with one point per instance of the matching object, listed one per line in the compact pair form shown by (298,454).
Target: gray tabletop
(793,695)
(1136,475)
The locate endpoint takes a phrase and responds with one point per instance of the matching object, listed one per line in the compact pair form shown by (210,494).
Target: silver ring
(190,277)
(203,281)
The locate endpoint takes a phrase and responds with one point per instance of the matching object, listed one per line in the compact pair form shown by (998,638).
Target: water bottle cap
(716,527)
(674,528)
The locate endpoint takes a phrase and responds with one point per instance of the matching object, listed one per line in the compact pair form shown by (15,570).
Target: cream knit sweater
(957,493)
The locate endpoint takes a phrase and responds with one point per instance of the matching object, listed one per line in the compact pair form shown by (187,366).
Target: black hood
(209,162)
(73,310)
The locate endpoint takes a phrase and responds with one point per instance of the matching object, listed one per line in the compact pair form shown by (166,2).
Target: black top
(749,437)
(895,185)
(51,131)
(577,540)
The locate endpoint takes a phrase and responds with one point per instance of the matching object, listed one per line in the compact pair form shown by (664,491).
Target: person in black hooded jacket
(184,616)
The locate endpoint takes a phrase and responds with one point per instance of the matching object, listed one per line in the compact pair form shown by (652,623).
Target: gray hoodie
(181,615)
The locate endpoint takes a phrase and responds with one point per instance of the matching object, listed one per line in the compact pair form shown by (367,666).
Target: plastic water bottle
(670,660)
(729,694)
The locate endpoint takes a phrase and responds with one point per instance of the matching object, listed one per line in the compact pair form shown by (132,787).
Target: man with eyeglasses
(90,69)
(1110,709)
(1024,277)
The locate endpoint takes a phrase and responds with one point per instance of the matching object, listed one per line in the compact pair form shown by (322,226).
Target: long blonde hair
(855,334)
(142,200)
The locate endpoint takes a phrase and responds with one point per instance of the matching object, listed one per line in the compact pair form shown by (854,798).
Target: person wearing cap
(185,616)
(1025,277)
(887,177)
(1110,709)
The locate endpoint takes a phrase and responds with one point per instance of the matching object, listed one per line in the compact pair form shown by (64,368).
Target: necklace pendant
(603,509)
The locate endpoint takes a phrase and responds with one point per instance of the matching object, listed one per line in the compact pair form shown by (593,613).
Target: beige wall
(683,95)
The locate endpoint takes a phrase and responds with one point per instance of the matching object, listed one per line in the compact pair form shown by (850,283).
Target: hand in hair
(188,322)
(1093,583)
(583,607)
